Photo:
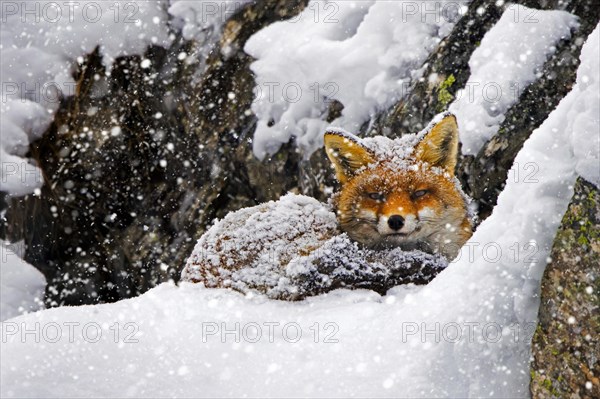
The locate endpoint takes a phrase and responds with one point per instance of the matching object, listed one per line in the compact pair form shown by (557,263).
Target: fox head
(401,193)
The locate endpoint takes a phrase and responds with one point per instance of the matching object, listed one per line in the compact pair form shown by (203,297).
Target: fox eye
(420,193)
(376,196)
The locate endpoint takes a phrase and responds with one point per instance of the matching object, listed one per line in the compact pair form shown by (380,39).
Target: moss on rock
(444,96)
(566,347)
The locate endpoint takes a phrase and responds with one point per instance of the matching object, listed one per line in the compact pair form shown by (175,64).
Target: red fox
(399,198)
(401,193)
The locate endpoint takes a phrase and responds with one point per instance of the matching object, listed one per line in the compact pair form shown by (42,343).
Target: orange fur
(414,207)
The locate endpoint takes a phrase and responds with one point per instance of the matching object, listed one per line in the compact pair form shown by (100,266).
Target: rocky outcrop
(140,161)
(566,345)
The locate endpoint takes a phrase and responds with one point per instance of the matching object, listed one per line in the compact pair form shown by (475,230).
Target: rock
(566,345)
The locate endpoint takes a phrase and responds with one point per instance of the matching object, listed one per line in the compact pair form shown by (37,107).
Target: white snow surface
(466,334)
(21,121)
(364,54)
(41,43)
(510,57)
(21,285)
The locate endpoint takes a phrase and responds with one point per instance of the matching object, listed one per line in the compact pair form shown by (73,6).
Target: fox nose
(396,222)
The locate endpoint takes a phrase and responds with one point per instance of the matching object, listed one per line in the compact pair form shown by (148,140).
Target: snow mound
(364,54)
(509,59)
(292,249)
(21,285)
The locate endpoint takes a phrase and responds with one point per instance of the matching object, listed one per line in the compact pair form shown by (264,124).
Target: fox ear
(346,154)
(439,147)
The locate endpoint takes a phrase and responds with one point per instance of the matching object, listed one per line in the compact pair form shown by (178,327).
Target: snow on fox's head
(401,193)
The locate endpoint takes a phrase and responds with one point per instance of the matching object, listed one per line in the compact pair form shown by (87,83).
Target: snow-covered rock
(200,17)
(41,44)
(364,54)
(510,57)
